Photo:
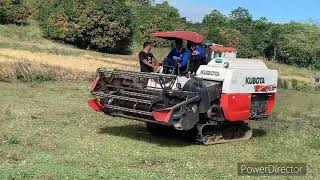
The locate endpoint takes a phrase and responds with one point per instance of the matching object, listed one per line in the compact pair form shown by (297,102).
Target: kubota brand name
(255,80)
(211,73)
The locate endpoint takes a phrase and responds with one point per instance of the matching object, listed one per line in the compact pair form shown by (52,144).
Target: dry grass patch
(36,72)
(86,63)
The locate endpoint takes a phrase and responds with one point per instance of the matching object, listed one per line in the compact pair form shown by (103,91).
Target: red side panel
(271,102)
(95,104)
(236,107)
(162,116)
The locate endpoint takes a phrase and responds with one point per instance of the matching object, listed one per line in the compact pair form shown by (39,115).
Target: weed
(294,84)
(283,83)
(11,139)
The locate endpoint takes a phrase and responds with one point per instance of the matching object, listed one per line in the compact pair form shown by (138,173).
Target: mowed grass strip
(49,132)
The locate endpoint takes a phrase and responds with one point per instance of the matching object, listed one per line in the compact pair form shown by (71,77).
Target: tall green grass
(22,32)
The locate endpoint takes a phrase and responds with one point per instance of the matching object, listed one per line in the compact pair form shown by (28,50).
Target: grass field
(47,130)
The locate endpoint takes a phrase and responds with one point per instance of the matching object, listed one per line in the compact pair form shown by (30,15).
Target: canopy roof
(190,36)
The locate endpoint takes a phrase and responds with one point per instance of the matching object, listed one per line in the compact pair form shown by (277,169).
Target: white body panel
(237,75)
(240,75)
(242,81)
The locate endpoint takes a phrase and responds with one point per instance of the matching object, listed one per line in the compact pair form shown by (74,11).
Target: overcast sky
(280,11)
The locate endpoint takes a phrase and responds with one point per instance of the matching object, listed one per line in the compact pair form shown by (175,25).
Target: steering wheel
(169,69)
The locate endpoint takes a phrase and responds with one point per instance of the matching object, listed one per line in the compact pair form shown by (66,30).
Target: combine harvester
(216,104)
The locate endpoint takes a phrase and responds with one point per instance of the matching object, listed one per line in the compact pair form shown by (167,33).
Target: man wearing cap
(147,61)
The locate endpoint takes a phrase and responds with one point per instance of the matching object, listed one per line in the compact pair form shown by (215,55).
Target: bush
(301,85)
(11,140)
(282,83)
(294,84)
(102,25)
(13,11)
(3,18)
(304,86)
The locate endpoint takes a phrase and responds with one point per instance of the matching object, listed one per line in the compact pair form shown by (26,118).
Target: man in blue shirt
(178,57)
(198,56)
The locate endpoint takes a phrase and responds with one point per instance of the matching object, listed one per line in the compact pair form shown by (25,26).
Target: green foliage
(111,26)
(102,25)
(293,43)
(304,86)
(12,139)
(283,83)
(294,84)
(214,23)
(235,30)
(317,88)
(299,44)
(13,11)
(241,20)
(3,18)
(153,18)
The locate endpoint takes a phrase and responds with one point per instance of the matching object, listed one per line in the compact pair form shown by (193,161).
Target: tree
(153,18)
(259,37)
(213,22)
(13,11)
(271,39)
(299,44)
(103,25)
(241,20)
(3,18)
(215,19)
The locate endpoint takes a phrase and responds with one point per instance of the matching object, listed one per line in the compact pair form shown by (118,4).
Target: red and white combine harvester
(216,104)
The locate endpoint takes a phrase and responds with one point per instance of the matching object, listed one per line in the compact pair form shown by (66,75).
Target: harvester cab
(215,105)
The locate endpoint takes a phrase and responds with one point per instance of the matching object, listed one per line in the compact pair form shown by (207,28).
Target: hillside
(26,43)
(49,132)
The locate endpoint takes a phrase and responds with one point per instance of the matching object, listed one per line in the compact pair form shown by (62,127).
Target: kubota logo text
(255,80)
(211,73)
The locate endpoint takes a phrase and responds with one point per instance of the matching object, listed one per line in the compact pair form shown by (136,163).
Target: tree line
(114,26)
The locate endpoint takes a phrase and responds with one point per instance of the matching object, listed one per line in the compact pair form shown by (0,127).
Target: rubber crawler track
(226,135)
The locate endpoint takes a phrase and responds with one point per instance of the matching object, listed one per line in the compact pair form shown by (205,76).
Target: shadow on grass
(169,138)
(258,133)
(140,133)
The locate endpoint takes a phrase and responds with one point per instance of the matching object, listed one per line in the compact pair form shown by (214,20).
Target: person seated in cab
(177,58)
(198,56)
(148,63)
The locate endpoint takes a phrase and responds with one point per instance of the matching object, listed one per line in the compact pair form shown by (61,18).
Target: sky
(278,11)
